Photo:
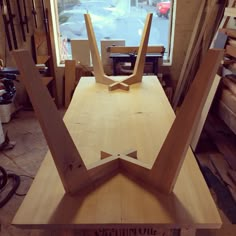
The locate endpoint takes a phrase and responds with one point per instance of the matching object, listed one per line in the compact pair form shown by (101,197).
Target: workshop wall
(186,12)
(4,50)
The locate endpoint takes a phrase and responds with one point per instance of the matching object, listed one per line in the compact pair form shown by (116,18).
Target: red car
(163,9)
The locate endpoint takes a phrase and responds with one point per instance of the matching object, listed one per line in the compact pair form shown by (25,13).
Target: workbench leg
(187,232)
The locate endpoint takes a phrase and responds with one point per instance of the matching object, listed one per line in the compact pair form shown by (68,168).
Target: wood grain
(116,122)
(70,71)
(205,112)
(190,49)
(170,158)
(96,60)
(230,11)
(231,51)
(229,32)
(67,159)
(137,74)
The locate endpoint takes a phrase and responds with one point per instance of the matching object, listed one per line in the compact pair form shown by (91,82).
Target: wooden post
(70,71)
(97,64)
(68,161)
(140,61)
(170,158)
(137,74)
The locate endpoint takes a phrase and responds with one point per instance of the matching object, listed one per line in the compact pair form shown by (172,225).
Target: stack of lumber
(225,101)
(218,164)
(229,39)
(206,25)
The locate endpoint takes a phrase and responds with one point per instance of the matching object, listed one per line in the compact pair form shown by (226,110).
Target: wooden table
(116,122)
(128,57)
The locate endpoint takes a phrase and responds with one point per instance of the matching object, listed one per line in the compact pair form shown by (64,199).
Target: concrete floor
(25,159)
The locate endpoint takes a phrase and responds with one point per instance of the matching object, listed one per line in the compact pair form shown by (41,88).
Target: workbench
(131,57)
(118,122)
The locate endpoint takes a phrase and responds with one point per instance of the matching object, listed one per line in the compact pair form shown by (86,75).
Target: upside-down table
(118,122)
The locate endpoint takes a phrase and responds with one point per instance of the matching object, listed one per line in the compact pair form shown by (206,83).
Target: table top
(115,122)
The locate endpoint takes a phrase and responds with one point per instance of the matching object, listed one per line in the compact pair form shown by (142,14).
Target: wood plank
(232,175)
(222,168)
(173,151)
(70,71)
(221,140)
(189,52)
(96,60)
(133,49)
(228,62)
(137,75)
(229,32)
(106,47)
(42,59)
(226,19)
(39,39)
(67,159)
(80,51)
(232,42)
(47,80)
(230,11)
(205,112)
(231,51)
(217,9)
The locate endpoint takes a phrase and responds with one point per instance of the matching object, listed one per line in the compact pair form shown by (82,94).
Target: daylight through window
(114,20)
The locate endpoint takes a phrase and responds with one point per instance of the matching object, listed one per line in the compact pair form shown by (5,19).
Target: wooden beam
(179,137)
(97,64)
(230,11)
(205,112)
(166,168)
(229,32)
(226,19)
(70,71)
(68,161)
(170,158)
(231,51)
(137,75)
(47,80)
(232,42)
(189,52)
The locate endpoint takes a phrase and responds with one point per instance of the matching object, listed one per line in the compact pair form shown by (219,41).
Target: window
(114,19)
